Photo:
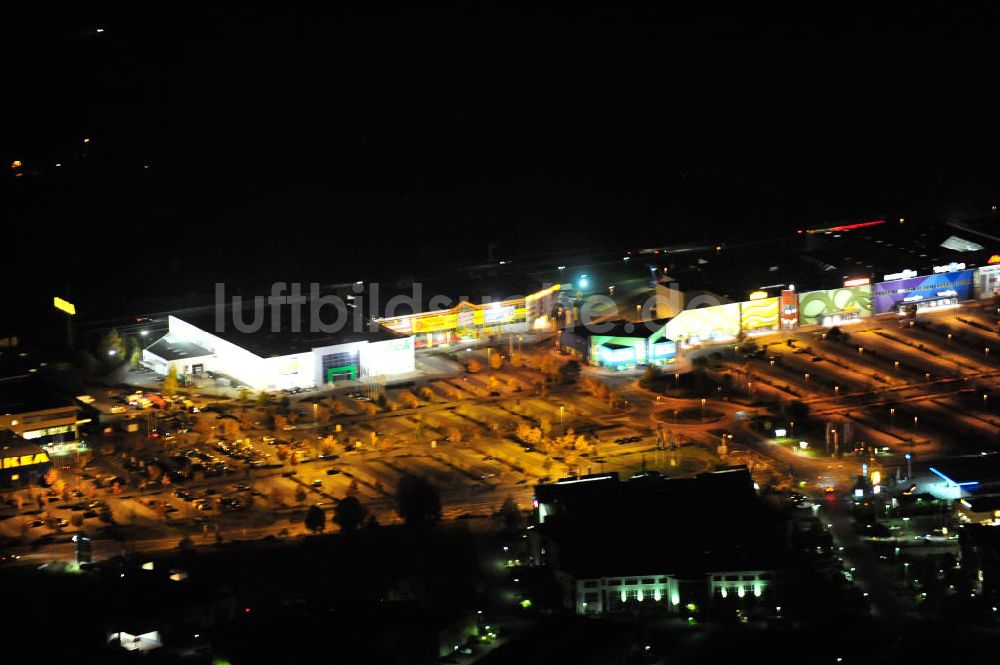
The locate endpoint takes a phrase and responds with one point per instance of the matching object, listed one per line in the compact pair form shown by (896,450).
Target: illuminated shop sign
(902,274)
(758,295)
(498,314)
(19,461)
(994,259)
(858,281)
(951,267)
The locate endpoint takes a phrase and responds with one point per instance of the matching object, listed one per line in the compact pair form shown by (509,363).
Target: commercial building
(702,546)
(988,278)
(835,307)
(274,356)
(619,345)
(467,321)
(22,463)
(948,286)
(36,412)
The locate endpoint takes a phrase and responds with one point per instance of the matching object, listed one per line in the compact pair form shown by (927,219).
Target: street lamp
(909,466)
(836,390)
(561,431)
(914,422)
(702,409)
(892,416)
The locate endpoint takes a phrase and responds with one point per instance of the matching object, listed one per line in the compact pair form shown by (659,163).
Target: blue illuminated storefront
(926,292)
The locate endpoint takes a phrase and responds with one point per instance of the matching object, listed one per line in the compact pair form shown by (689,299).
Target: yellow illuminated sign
(17,462)
(758,295)
(64,305)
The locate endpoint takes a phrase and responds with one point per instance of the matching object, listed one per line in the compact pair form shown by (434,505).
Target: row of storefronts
(905,292)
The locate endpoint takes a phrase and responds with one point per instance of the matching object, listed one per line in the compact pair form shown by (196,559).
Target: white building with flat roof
(269,360)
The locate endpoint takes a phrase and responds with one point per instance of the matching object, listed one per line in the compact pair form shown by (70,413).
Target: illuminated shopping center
(468,321)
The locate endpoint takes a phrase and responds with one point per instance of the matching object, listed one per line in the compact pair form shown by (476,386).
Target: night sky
(244,146)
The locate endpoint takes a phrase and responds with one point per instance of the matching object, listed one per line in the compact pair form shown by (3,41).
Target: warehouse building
(722,552)
(274,357)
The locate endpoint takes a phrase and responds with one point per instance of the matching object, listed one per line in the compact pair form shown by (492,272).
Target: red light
(246,610)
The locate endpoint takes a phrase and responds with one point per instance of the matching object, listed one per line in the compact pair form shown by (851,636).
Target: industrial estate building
(273,357)
(595,533)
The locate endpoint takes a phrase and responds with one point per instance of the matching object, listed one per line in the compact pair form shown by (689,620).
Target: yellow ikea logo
(24,460)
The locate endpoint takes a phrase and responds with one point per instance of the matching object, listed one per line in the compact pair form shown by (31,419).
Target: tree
(349,514)
(496,361)
(111,348)
(545,424)
(263,399)
(105,514)
(280,422)
(417,502)
(474,366)
(409,399)
(570,371)
(315,519)
(797,410)
(76,520)
(134,351)
(170,383)
(300,494)
(511,515)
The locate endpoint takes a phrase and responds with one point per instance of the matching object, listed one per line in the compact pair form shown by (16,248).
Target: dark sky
(304,146)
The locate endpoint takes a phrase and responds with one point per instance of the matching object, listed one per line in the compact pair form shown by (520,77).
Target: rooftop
(26,394)
(653,525)
(275,334)
(170,348)
(969,471)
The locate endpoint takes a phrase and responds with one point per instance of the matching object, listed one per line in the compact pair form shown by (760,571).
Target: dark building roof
(972,472)
(24,394)
(267,342)
(652,525)
(983,504)
(170,348)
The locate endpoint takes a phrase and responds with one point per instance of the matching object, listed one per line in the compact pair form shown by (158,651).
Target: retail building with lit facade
(468,321)
(37,423)
(698,547)
(619,345)
(276,357)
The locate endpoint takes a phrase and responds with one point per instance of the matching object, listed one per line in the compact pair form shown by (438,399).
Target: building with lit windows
(36,413)
(22,463)
(699,547)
